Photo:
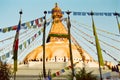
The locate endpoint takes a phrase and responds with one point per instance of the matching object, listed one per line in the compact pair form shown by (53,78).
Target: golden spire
(58,31)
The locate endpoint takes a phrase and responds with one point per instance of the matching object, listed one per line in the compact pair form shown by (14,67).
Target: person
(46,59)
(64,59)
(41,59)
(74,78)
(49,75)
(55,58)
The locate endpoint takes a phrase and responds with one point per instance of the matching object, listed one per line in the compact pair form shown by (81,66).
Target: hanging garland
(58,73)
(88,28)
(88,13)
(101,48)
(27,25)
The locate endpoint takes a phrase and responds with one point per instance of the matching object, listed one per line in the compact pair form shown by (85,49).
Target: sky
(32,9)
(9,9)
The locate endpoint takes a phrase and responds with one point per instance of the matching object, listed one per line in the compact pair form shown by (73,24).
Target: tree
(5,72)
(82,74)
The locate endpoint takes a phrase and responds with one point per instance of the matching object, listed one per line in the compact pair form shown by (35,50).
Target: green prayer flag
(53,75)
(20,47)
(66,68)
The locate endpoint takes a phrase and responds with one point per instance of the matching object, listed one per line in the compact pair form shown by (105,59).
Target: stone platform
(33,70)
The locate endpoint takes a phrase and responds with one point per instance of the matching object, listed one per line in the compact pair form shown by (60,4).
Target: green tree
(5,72)
(82,74)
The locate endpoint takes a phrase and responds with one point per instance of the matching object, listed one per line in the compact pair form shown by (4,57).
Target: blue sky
(32,9)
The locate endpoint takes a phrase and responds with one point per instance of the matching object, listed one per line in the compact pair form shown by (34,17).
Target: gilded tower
(58,31)
(57,46)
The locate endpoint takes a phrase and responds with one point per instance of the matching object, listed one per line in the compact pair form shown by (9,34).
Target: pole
(98,57)
(116,14)
(70,49)
(14,75)
(16,53)
(44,72)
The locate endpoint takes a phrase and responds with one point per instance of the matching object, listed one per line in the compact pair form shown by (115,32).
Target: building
(57,46)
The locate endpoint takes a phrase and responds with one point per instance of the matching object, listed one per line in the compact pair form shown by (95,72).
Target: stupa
(57,45)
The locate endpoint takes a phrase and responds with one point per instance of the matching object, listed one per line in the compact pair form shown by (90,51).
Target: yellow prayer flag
(28,24)
(100,58)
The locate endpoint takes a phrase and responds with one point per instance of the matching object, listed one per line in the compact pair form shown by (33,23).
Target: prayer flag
(54,75)
(57,73)
(28,41)
(15,46)
(28,24)
(39,25)
(62,70)
(9,28)
(5,30)
(32,22)
(14,27)
(100,58)
(24,44)
(119,27)
(37,21)
(41,19)
(0,30)
(20,47)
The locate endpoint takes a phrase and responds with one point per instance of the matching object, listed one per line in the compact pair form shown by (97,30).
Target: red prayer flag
(15,46)
(36,21)
(57,73)
(14,27)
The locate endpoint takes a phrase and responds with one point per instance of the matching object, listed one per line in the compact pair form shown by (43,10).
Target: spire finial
(56,4)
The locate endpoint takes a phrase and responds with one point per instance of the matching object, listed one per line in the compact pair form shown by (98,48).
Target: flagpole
(44,71)
(96,45)
(116,14)
(15,52)
(70,49)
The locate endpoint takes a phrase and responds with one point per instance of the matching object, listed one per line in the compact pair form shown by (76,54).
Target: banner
(15,46)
